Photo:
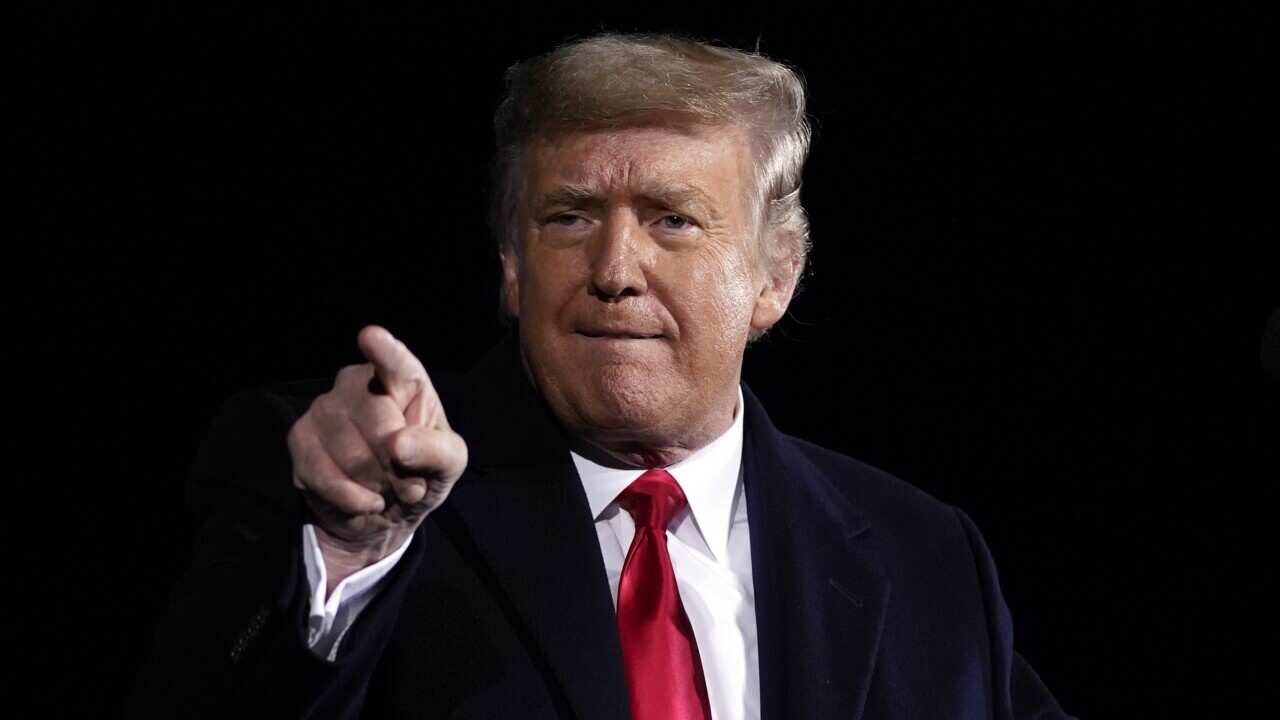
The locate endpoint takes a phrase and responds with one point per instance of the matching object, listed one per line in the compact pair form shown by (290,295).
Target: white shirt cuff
(329,618)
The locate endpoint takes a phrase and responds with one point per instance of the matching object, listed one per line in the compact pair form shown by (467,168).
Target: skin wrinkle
(614,261)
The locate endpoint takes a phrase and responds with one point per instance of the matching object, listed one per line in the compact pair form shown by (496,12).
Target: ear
(510,280)
(775,295)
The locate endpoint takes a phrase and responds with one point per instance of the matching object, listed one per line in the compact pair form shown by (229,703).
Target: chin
(604,395)
(624,397)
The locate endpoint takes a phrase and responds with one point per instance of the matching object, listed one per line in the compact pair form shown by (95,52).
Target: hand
(374,455)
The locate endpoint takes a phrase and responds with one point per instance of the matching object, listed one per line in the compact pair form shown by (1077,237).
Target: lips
(614,332)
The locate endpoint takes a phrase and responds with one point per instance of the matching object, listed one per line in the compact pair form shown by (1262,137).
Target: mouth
(616,334)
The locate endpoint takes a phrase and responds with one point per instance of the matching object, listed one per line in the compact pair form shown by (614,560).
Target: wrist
(343,558)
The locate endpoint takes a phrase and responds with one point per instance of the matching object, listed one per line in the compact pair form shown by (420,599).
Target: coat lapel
(524,507)
(821,594)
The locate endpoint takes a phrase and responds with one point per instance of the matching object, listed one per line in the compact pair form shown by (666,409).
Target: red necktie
(658,648)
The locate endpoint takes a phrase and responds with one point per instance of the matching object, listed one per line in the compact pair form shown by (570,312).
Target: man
(598,521)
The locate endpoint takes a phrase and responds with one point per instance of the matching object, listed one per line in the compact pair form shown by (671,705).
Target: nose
(619,259)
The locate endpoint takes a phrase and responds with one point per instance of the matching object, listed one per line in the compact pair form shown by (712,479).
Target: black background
(1040,279)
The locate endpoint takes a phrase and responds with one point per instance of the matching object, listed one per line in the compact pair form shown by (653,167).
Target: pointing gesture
(374,455)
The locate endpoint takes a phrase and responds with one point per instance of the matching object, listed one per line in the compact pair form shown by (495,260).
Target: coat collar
(819,592)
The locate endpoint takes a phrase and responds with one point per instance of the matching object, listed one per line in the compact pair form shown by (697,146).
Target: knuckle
(324,405)
(358,461)
(330,409)
(302,429)
(344,374)
(352,375)
(375,412)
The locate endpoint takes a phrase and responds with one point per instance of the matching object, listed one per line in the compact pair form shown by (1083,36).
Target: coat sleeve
(1018,692)
(232,642)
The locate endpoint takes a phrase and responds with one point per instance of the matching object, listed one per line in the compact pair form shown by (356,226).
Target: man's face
(637,284)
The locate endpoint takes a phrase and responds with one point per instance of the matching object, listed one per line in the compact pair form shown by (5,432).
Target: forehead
(712,159)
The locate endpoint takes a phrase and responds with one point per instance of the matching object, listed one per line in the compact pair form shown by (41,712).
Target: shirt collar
(708,477)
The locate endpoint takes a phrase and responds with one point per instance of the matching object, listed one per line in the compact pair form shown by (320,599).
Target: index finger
(399,371)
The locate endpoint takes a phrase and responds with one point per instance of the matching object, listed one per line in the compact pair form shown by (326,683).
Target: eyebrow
(571,195)
(670,194)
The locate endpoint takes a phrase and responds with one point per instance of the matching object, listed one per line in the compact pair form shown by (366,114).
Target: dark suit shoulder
(889,501)
(925,544)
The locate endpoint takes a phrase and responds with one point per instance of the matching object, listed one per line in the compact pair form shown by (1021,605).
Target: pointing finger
(398,370)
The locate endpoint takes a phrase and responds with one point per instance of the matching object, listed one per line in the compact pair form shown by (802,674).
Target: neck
(617,451)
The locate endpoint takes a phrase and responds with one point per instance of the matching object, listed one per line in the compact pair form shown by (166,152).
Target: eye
(564,220)
(675,222)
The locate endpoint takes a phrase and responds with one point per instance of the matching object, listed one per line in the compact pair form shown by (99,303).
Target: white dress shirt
(710,554)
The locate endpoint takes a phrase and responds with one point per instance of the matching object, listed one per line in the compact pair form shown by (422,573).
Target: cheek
(547,285)
(723,292)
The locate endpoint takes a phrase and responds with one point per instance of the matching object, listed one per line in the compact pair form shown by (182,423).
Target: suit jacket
(873,600)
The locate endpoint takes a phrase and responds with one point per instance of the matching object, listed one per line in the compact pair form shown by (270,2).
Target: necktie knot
(653,499)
